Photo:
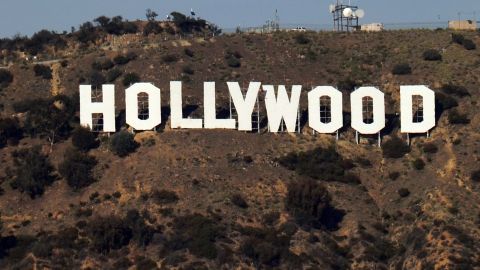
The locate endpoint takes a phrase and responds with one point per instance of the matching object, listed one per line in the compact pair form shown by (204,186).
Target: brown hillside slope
(434,226)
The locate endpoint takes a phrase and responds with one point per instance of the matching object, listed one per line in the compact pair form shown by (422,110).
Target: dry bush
(77,169)
(395,148)
(32,171)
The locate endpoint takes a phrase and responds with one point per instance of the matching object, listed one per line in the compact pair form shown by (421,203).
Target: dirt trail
(56,81)
(452,162)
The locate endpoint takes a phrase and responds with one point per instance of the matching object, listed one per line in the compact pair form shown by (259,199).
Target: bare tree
(151,15)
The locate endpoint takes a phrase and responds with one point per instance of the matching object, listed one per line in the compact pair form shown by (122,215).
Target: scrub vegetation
(217,199)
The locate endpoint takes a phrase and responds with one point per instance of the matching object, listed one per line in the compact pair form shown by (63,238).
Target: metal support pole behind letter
(231,116)
(258,116)
(298,121)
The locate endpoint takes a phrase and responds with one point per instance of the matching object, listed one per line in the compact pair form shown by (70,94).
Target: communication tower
(272,25)
(346,16)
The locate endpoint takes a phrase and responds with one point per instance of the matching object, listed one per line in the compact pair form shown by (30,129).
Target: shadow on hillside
(331,217)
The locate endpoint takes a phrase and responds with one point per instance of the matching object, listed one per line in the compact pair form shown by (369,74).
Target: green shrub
(142,233)
(87,33)
(170,30)
(311,55)
(44,244)
(347,84)
(120,60)
(238,200)
(261,251)
(233,62)
(468,44)
(457,118)
(122,143)
(164,196)
(268,248)
(113,74)
(395,148)
(302,39)
(324,164)
(131,55)
(418,164)
(43,71)
(50,117)
(40,40)
(188,70)
(188,52)
(122,263)
(403,192)
(145,264)
(32,171)
(115,25)
(10,131)
(169,58)
(429,148)
(475,176)
(105,64)
(230,53)
(107,197)
(271,218)
(363,162)
(124,59)
(166,212)
(130,78)
(77,169)
(109,233)
(457,90)
(83,139)
(432,55)
(190,24)
(6,78)
(402,69)
(307,199)
(458,38)
(197,233)
(84,212)
(233,58)
(152,27)
(95,196)
(445,102)
(393,175)
(96,79)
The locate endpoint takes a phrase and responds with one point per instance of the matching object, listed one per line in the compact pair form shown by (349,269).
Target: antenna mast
(345,17)
(276,21)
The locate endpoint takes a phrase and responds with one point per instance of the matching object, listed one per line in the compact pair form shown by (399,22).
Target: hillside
(213,199)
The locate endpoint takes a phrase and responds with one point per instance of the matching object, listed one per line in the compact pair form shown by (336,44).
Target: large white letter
(106,107)
(154,106)
(406,106)
(176,109)
(281,107)
(378,100)
(336,109)
(210,112)
(244,106)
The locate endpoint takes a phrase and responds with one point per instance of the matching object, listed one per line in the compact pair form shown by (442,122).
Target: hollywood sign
(279,106)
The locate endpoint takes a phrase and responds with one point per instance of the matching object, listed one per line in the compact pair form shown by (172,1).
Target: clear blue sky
(28,16)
